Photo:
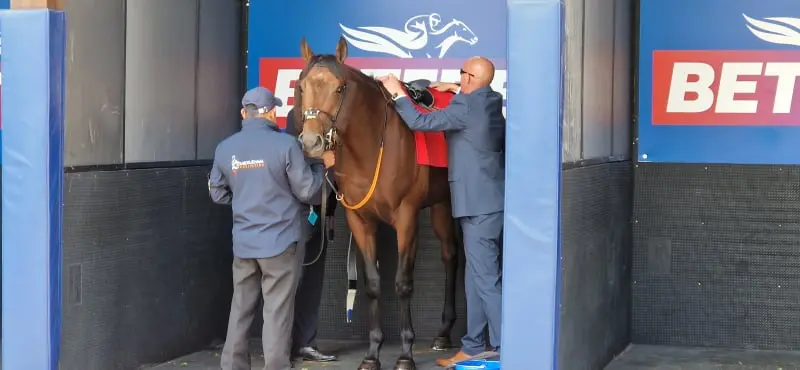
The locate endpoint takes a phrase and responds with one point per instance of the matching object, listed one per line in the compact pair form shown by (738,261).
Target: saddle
(419,93)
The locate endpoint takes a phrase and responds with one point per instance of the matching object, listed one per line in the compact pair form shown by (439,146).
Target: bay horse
(379,180)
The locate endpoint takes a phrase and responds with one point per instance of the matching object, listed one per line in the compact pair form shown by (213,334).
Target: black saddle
(418,93)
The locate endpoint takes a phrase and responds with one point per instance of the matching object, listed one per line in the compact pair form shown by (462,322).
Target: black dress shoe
(312,354)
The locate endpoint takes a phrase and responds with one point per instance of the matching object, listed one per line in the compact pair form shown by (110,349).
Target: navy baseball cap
(262,98)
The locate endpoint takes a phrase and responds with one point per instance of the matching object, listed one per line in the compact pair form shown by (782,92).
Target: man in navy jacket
(263,174)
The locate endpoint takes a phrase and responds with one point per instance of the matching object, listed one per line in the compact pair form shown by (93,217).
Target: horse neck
(361,143)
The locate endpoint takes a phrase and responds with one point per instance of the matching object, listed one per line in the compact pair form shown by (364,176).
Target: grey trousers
(276,278)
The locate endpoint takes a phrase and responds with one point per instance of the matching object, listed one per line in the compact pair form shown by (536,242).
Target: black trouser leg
(309,296)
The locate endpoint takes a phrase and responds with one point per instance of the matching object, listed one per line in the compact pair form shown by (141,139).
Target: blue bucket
(478,365)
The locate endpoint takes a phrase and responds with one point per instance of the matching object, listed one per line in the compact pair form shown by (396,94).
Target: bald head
(480,72)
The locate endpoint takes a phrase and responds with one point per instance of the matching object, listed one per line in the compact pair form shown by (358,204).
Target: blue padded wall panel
(33,117)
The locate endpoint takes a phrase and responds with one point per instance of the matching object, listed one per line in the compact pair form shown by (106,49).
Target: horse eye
(340,89)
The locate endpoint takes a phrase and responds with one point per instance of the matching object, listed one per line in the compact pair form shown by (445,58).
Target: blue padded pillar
(531,245)
(33,169)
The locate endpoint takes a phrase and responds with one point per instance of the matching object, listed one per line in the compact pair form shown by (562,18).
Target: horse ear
(305,50)
(341,49)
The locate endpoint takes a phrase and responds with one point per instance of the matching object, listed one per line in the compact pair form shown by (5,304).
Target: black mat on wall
(596,265)
(146,270)
(717,256)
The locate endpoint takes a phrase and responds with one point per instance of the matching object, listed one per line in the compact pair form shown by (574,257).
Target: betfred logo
(735,88)
(280,74)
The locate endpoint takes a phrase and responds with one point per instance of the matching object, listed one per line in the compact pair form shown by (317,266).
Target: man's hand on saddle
(328,158)
(445,87)
(392,85)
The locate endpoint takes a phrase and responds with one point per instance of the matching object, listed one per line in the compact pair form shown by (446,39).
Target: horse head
(456,31)
(463,33)
(415,36)
(319,96)
(322,92)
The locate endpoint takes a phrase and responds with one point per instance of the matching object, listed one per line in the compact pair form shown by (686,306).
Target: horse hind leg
(365,236)
(406,227)
(444,229)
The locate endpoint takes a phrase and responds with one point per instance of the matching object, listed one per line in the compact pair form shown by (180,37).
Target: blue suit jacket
(475,130)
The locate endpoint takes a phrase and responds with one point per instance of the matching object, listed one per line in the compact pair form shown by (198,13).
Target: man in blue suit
(474,127)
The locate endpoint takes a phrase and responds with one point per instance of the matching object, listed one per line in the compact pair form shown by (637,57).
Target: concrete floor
(644,357)
(350,356)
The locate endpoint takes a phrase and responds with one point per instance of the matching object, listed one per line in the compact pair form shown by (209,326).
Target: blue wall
(714,32)
(32,187)
(4,4)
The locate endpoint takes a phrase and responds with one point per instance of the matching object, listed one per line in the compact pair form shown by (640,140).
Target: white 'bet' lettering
(284,91)
(729,86)
(784,92)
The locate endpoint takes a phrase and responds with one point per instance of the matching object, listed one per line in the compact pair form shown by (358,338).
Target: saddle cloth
(431,146)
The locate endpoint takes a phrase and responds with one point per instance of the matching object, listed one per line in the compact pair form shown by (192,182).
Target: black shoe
(312,354)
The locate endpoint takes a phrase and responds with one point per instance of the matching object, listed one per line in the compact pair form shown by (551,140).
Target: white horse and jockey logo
(775,30)
(234,164)
(417,34)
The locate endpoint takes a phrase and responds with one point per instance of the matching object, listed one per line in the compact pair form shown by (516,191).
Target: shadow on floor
(645,357)
(350,355)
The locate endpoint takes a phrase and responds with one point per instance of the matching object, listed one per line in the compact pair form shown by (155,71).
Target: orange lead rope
(340,196)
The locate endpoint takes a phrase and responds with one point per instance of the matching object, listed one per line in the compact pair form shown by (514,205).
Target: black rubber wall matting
(717,256)
(596,265)
(146,270)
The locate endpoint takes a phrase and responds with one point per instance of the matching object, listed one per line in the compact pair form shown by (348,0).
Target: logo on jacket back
(731,87)
(417,34)
(237,165)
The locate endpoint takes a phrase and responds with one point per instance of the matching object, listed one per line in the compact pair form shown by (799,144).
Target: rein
(331,142)
(332,135)
(323,210)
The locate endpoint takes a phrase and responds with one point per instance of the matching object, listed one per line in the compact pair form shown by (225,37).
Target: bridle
(331,142)
(330,138)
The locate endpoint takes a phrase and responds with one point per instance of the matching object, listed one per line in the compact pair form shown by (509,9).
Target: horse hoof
(370,365)
(405,364)
(441,344)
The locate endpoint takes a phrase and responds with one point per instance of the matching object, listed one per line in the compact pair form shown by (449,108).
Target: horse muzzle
(313,144)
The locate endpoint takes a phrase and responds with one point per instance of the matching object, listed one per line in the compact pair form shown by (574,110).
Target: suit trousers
(276,278)
(482,278)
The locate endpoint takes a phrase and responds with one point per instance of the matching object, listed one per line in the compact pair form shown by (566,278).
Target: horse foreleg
(444,229)
(364,233)
(406,227)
